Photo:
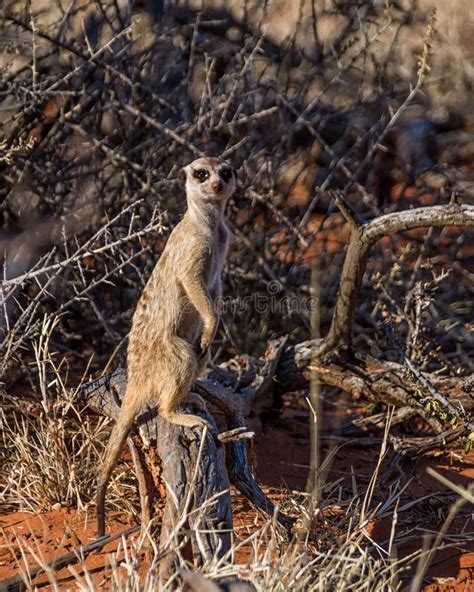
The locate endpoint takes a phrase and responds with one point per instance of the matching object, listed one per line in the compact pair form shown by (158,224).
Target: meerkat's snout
(217,186)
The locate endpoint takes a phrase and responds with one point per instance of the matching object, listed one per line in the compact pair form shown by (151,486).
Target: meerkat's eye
(201,175)
(226,175)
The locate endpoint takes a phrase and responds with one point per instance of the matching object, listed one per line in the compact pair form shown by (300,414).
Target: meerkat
(177,315)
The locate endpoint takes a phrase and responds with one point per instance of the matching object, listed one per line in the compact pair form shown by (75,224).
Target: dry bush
(51,449)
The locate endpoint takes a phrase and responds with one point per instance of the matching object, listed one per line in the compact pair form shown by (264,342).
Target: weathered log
(237,463)
(193,470)
(198,496)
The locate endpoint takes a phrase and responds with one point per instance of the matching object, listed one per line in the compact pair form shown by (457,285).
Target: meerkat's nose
(217,186)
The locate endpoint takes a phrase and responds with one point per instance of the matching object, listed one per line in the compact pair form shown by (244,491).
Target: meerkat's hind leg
(177,378)
(186,419)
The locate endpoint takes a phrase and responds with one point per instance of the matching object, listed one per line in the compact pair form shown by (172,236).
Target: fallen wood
(198,495)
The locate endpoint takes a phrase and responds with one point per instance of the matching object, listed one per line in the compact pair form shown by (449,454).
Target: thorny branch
(363,237)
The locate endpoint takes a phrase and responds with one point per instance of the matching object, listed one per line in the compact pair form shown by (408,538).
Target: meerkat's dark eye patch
(226,174)
(201,175)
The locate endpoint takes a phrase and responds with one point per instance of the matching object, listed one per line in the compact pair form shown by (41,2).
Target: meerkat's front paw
(202,349)
(204,346)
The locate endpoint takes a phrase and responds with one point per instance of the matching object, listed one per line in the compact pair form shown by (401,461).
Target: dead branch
(363,237)
(297,362)
(409,447)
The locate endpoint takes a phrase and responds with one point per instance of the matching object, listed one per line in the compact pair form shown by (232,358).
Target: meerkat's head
(209,180)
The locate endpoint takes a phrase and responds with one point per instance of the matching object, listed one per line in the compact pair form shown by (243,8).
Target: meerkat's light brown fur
(176,317)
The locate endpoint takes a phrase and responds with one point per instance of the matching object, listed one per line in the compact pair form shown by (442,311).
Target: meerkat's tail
(118,436)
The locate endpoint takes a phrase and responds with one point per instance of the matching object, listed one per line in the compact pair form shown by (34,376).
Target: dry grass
(339,552)
(50,449)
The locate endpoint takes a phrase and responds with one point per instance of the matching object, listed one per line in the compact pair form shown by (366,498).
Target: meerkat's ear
(182,176)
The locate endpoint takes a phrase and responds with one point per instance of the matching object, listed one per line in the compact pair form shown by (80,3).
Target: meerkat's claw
(203,423)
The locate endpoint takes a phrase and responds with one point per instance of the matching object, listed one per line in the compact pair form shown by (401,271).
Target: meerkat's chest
(217,254)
